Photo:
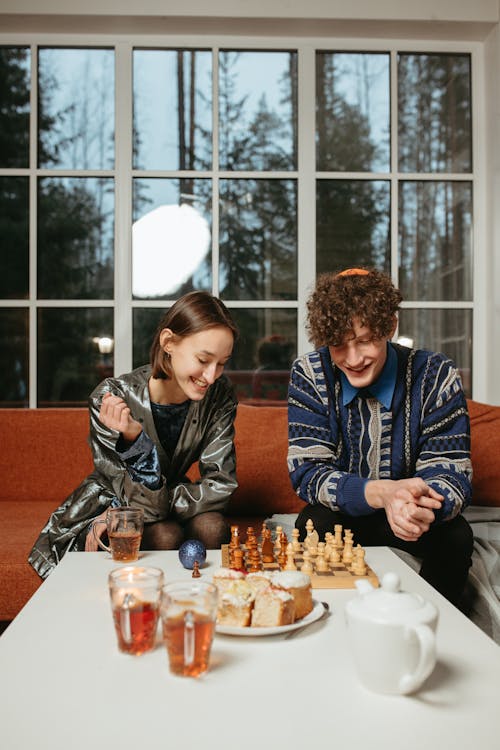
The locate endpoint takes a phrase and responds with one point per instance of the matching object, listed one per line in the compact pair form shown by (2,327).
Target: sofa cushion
(261,449)
(485,453)
(45,453)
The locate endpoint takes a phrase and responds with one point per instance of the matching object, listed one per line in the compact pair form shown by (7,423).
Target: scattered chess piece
(196,570)
(282,552)
(290,562)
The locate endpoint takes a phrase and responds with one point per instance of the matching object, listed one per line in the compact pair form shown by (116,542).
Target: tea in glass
(135,604)
(124,526)
(188,612)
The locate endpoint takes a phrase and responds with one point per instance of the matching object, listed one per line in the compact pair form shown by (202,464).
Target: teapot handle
(427,658)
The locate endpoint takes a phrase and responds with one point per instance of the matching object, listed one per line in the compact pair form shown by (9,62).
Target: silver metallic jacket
(207,437)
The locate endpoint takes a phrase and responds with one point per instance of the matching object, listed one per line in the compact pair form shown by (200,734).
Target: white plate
(314,615)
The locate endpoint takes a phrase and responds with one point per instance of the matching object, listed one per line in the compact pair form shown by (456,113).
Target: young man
(379,436)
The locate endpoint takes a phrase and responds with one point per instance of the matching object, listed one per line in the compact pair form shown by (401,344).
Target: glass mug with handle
(188,612)
(124,526)
(135,604)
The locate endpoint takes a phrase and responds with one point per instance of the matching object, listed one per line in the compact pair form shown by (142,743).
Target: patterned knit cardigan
(334,449)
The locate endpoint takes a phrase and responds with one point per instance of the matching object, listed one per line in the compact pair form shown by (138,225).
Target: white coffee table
(65,686)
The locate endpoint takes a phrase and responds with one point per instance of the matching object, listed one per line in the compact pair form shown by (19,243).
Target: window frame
(306,176)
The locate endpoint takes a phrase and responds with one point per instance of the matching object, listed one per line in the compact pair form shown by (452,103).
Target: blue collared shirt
(382,389)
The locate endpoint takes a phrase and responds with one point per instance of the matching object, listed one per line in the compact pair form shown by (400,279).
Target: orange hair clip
(354,272)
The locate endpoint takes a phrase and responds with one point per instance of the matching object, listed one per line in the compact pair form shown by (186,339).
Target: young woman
(147,428)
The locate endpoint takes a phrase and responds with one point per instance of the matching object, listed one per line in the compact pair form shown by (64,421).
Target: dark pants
(445,550)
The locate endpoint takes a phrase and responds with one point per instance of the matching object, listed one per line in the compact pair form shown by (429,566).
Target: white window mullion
(306,198)
(215,173)
(33,292)
(123,209)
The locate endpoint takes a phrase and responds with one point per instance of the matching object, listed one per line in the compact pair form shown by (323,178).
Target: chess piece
(338,536)
(254,561)
(235,537)
(321,563)
(196,570)
(238,563)
(312,536)
(282,552)
(277,545)
(307,565)
(267,550)
(290,562)
(295,540)
(359,566)
(347,553)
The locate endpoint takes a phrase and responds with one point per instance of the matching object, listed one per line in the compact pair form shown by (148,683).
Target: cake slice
(235,605)
(272,608)
(299,586)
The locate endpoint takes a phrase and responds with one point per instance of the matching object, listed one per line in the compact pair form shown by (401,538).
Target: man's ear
(166,339)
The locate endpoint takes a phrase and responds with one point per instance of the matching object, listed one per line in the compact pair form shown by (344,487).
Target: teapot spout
(364,587)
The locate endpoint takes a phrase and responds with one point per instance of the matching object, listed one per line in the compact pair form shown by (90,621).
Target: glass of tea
(124,526)
(135,603)
(188,611)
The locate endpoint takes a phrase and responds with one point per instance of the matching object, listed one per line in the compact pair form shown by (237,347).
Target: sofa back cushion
(44,453)
(261,449)
(485,453)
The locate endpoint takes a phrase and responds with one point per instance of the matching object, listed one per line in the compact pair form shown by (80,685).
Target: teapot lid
(389,603)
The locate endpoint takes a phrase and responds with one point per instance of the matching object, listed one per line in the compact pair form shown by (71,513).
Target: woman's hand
(115,414)
(90,541)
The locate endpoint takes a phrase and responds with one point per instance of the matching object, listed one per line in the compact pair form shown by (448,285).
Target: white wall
(408,10)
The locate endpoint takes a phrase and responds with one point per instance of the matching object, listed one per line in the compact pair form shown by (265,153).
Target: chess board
(338,577)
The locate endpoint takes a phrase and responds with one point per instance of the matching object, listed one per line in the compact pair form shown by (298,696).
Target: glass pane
(352,224)
(172,109)
(352,112)
(14,106)
(260,366)
(144,326)
(75,238)
(14,373)
(435,120)
(257,110)
(73,353)
(14,238)
(171,237)
(258,239)
(76,108)
(447,331)
(435,235)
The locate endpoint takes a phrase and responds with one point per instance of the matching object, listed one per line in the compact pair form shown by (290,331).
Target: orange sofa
(45,455)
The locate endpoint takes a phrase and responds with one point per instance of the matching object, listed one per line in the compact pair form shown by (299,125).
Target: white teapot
(392,635)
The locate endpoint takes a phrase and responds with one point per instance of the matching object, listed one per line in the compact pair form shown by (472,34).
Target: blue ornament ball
(192,551)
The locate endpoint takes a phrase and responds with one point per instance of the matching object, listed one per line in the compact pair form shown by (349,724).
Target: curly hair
(338,298)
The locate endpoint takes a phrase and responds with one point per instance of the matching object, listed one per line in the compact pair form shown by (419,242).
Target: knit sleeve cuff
(351,496)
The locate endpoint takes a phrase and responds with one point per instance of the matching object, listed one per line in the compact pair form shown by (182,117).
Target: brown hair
(192,313)
(338,298)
